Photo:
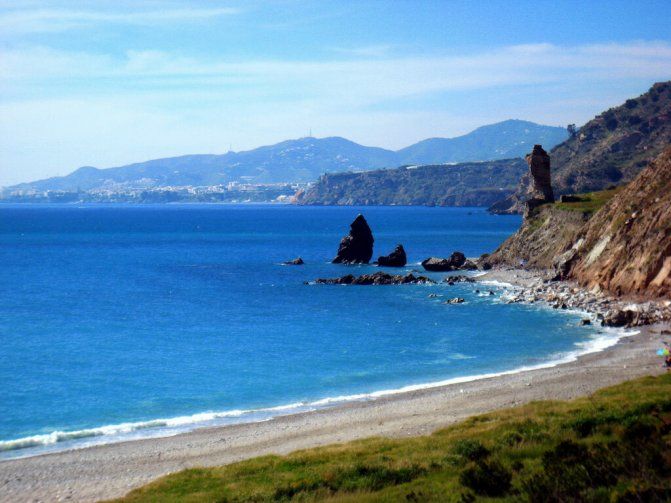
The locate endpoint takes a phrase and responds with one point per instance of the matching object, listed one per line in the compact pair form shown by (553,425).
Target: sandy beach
(109,471)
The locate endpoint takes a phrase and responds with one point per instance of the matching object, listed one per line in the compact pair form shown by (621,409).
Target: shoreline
(513,281)
(111,470)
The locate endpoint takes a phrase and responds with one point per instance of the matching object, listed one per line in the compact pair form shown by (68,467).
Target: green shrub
(487,478)
(472,450)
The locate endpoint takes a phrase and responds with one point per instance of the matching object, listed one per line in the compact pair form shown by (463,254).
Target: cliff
(467,184)
(617,240)
(609,150)
(626,247)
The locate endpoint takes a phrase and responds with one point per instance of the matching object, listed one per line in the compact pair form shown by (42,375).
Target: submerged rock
(459,278)
(377,278)
(456,300)
(296,261)
(454,262)
(357,246)
(396,258)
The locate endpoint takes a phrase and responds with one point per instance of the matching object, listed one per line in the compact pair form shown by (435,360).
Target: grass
(590,202)
(612,446)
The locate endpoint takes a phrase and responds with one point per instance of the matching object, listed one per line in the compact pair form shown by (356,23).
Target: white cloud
(60,110)
(54,20)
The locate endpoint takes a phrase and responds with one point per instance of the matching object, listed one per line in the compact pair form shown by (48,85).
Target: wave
(38,444)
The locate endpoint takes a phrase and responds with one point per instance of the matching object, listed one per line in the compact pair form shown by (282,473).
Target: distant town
(232,192)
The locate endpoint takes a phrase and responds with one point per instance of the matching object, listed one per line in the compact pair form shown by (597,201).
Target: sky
(109,83)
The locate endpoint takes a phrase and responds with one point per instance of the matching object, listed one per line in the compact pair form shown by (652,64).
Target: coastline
(111,470)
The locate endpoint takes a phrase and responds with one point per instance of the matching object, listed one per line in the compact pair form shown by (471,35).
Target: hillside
(467,184)
(610,149)
(302,160)
(610,446)
(618,240)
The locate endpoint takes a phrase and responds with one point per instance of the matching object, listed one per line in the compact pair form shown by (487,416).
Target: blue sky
(109,83)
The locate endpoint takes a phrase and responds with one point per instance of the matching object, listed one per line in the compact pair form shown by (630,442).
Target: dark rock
(296,261)
(377,278)
(469,265)
(453,263)
(397,258)
(491,292)
(486,266)
(619,318)
(357,246)
(540,190)
(585,321)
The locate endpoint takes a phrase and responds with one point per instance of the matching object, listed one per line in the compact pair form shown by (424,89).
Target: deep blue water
(118,314)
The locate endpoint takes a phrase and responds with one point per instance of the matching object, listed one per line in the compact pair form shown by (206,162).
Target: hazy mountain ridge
(303,160)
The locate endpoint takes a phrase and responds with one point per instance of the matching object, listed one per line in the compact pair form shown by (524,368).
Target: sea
(120,322)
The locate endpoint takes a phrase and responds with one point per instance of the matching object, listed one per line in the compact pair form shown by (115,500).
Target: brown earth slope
(618,240)
(611,149)
(626,246)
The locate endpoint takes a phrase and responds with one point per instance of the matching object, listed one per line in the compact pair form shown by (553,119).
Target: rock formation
(296,261)
(378,278)
(540,188)
(455,262)
(357,246)
(397,258)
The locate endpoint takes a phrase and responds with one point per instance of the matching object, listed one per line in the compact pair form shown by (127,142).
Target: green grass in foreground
(590,202)
(613,446)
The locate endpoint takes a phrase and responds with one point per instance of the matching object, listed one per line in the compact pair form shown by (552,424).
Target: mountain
(504,140)
(301,160)
(610,149)
(466,184)
(617,240)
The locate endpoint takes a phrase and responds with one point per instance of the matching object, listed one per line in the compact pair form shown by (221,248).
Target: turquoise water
(124,321)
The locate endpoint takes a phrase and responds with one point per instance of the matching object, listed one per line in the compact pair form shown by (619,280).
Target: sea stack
(396,258)
(540,190)
(357,246)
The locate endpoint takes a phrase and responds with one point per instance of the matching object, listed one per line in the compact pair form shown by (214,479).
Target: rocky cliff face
(626,247)
(467,184)
(609,150)
(616,240)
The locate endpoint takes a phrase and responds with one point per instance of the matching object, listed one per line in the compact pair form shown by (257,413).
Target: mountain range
(305,159)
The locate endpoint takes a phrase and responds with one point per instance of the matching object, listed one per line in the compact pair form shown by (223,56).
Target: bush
(487,478)
(471,449)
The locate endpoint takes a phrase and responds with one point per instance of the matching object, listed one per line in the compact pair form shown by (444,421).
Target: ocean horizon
(131,321)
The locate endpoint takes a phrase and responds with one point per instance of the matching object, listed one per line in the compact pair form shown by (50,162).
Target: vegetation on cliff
(618,239)
(611,446)
(467,184)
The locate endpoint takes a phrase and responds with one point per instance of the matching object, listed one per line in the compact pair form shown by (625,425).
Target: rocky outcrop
(617,240)
(357,246)
(396,258)
(626,246)
(534,189)
(611,149)
(540,190)
(296,261)
(455,262)
(377,278)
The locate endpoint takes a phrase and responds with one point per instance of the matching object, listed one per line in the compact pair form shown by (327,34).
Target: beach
(109,471)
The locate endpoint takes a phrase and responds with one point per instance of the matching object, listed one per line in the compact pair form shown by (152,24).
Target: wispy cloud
(54,20)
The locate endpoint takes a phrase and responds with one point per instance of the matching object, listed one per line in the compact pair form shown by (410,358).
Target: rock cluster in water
(377,278)
(357,246)
(296,261)
(396,258)
(455,262)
